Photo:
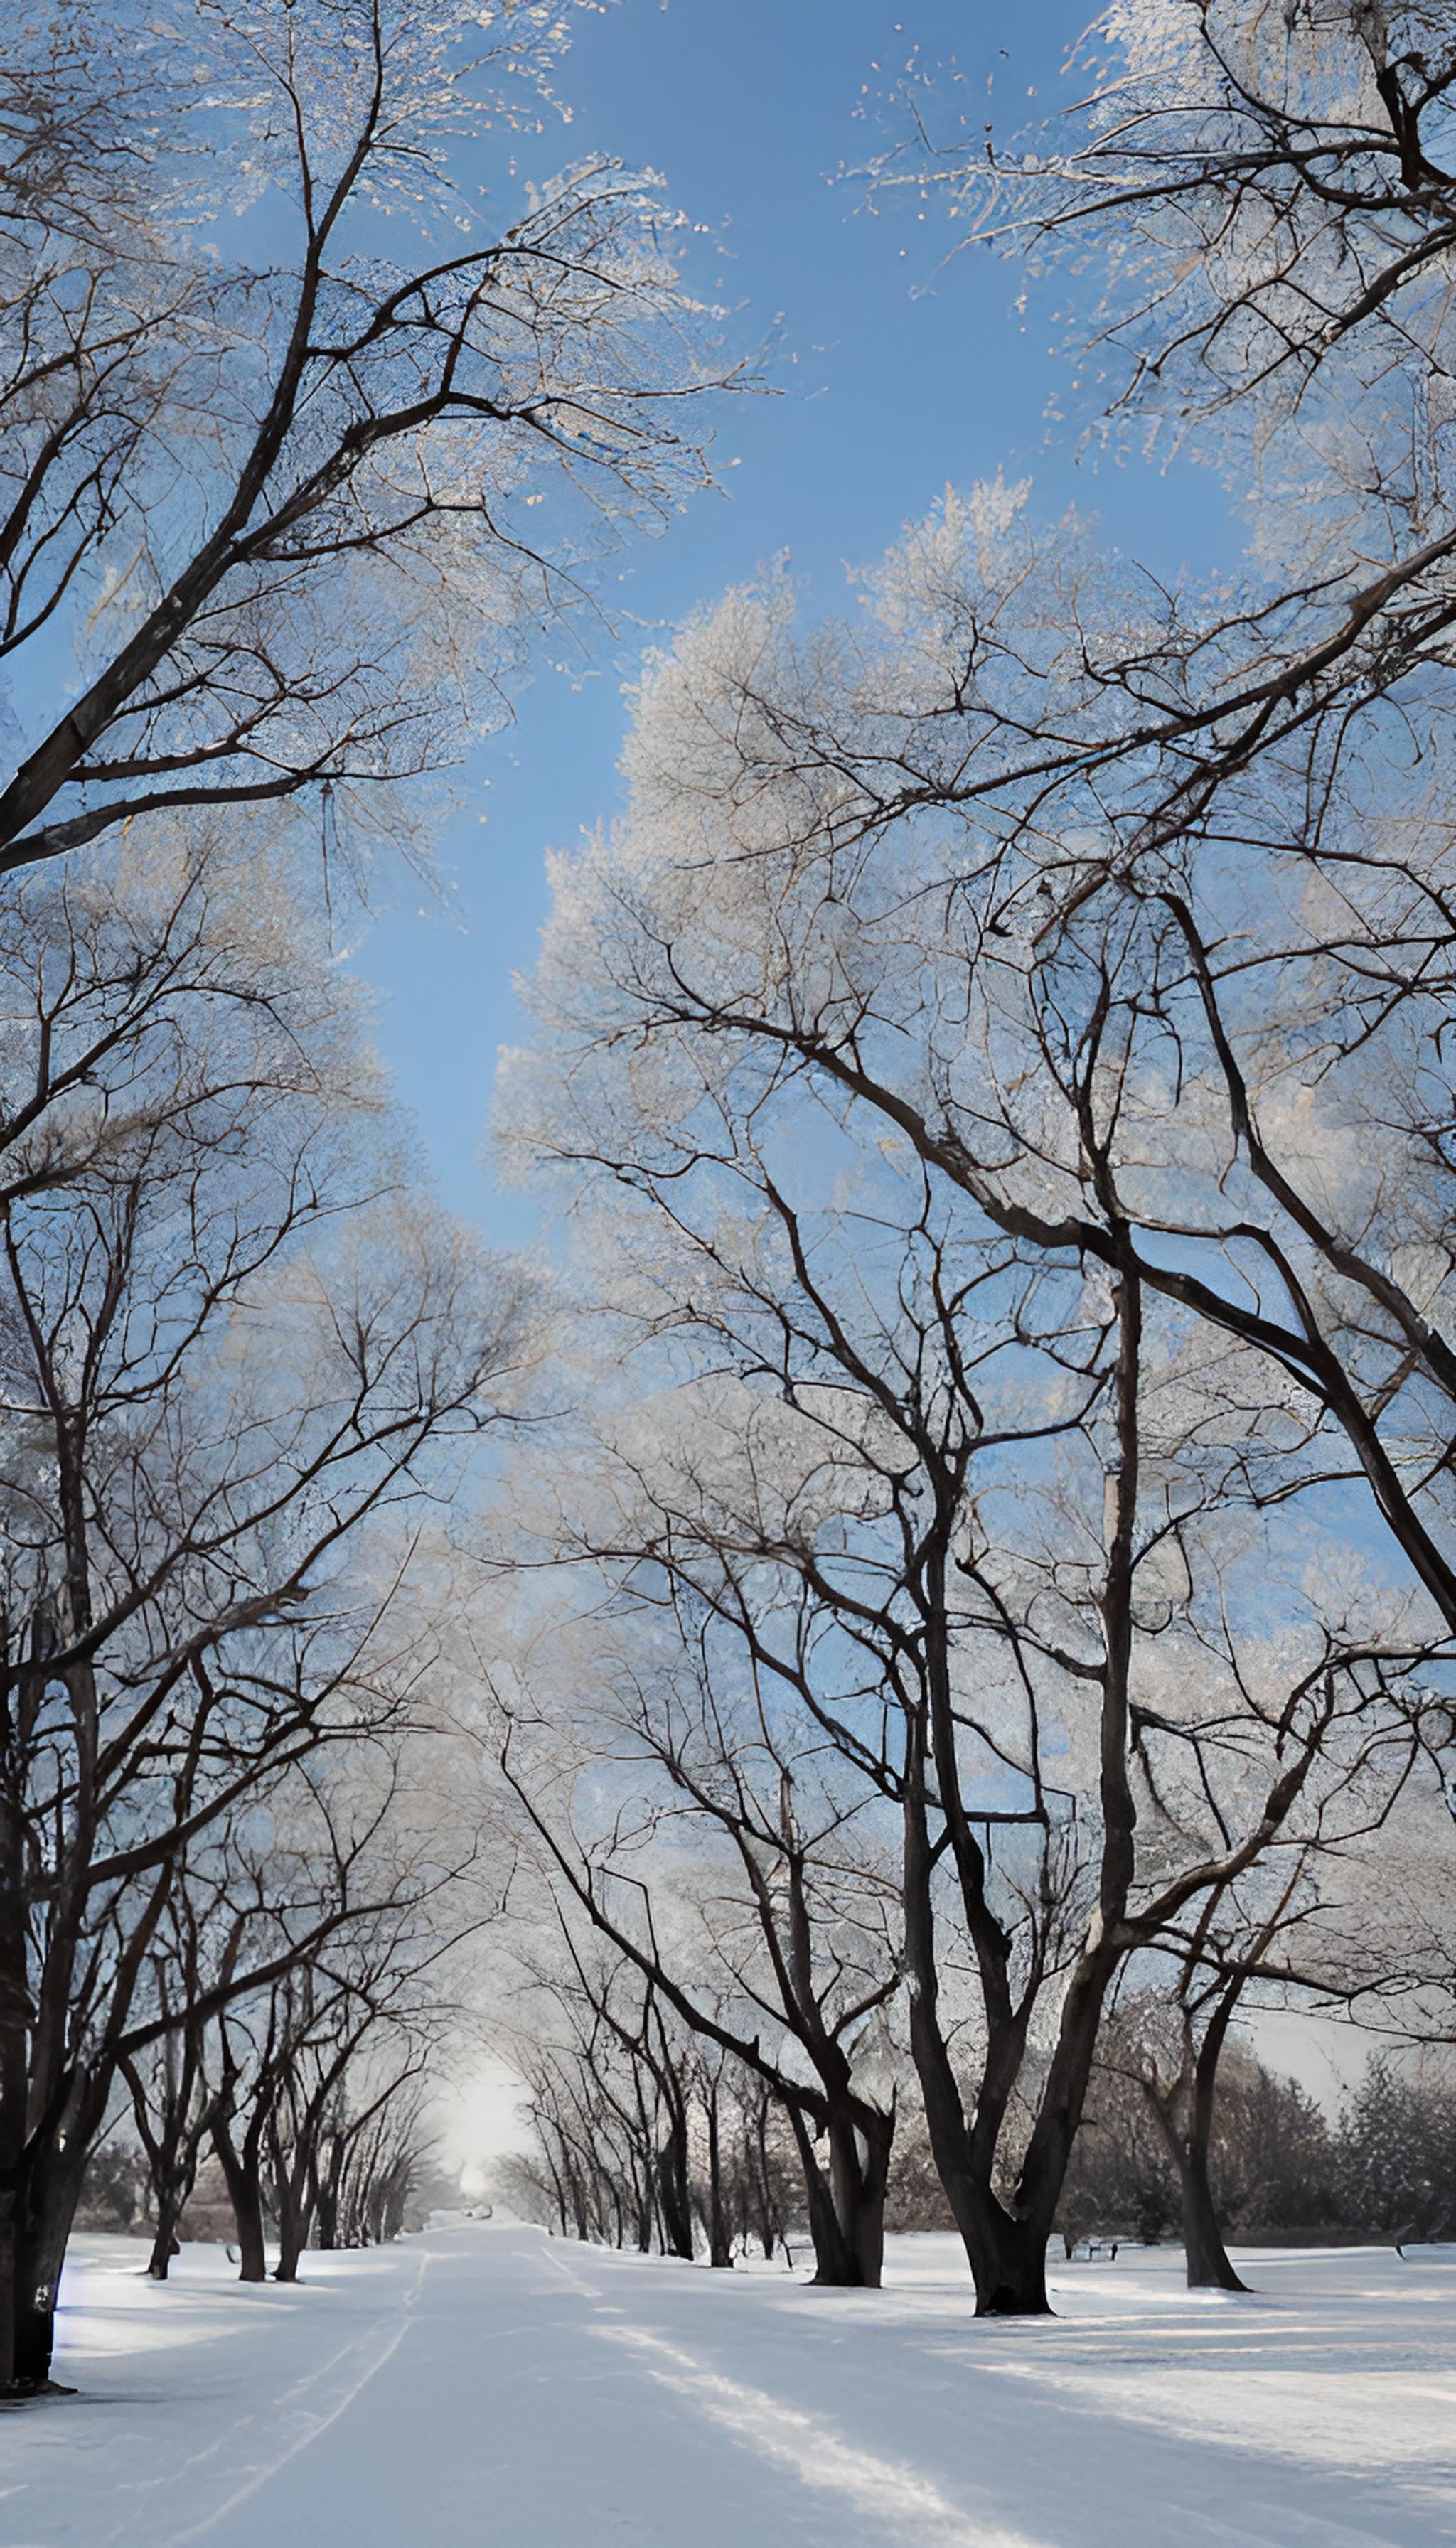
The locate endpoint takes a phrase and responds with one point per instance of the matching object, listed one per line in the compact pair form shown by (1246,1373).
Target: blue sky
(895,375)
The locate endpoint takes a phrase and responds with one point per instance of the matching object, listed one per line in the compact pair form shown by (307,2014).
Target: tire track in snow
(286,2410)
(814,2451)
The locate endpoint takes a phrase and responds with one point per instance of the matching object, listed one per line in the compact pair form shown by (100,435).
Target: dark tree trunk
(769,2225)
(720,2237)
(290,2250)
(833,2261)
(34,2316)
(9,2259)
(559,2189)
(15,2014)
(1008,2260)
(845,2204)
(293,2170)
(1006,2244)
(1205,2255)
(1184,2114)
(326,2193)
(1007,2255)
(673,2197)
(645,2206)
(243,2180)
(50,2197)
(166,2244)
(293,2234)
(173,2176)
(858,2170)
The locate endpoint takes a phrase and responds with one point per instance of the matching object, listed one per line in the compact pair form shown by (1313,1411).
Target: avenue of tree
(860,1668)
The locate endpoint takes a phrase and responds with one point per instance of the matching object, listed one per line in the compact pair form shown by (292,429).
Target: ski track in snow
(490,2388)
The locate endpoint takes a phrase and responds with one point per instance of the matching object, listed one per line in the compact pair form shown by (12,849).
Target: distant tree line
(1383,2167)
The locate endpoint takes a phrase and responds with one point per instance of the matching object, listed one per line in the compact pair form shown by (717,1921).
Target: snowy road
(488,2388)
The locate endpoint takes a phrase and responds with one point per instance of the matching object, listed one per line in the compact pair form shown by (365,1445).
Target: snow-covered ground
(487,2387)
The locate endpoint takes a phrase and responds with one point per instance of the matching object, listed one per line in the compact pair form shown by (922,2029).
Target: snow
(487,2387)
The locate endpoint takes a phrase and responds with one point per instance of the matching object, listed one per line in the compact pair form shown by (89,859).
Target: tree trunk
(768,2226)
(846,2207)
(858,2170)
(325,2197)
(172,2180)
(833,2263)
(243,2180)
(1206,2257)
(48,2204)
(1008,2260)
(1007,2255)
(1184,2114)
(720,2237)
(12,2151)
(290,2250)
(166,2244)
(9,2263)
(673,2200)
(1208,2268)
(293,2233)
(15,2013)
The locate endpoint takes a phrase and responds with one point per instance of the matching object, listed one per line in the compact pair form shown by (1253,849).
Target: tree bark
(674,2201)
(291,2244)
(166,2244)
(51,2191)
(846,2205)
(720,2237)
(15,2019)
(1007,2255)
(859,2170)
(1207,2258)
(1184,2115)
(768,2224)
(243,2180)
(293,2230)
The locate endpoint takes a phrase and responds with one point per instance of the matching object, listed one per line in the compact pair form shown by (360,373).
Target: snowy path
(488,2388)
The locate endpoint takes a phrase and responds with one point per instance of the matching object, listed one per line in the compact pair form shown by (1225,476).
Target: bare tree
(276,507)
(1270,200)
(1265,196)
(378,2151)
(1262,189)
(607,2073)
(202,1412)
(1173,2046)
(643,2132)
(1026,1499)
(340,2112)
(775,1947)
(352,1918)
(174,2099)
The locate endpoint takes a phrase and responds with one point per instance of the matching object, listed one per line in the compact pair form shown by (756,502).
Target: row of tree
(982,1551)
(282,385)
(707,2166)
(999,1075)
(231,1822)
